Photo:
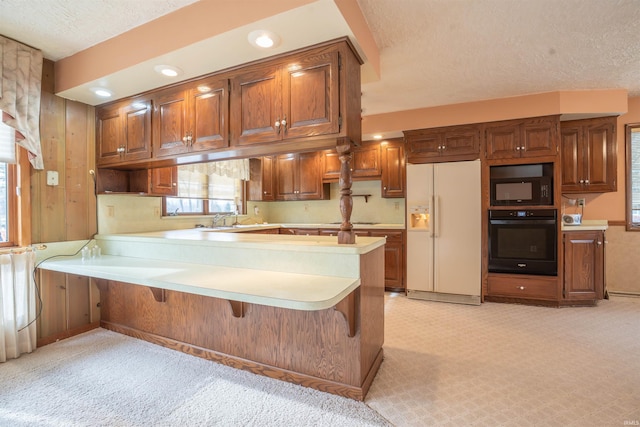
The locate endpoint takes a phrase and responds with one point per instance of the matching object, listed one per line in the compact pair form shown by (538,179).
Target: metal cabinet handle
(277,125)
(586,181)
(599,243)
(283,122)
(521,288)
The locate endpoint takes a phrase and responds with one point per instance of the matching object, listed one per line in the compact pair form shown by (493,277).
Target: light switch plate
(52,178)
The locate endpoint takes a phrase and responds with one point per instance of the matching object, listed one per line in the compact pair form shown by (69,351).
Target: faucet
(216,218)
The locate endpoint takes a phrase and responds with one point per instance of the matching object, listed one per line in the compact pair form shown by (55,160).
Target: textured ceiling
(60,28)
(432,52)
(437,52)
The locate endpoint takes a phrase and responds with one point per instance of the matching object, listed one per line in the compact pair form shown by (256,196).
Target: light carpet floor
(445,365)
(509,365)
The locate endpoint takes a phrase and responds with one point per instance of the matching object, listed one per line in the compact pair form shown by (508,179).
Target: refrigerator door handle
(432,220)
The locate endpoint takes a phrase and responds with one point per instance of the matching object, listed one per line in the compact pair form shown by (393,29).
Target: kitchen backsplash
(134,213)
(374,209)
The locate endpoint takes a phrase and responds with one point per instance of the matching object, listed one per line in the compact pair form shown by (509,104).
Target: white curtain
(17,305)
(20,88)
(237,169)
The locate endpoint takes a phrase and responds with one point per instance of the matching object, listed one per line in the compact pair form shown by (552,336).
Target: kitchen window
(633,176)
(201,191)
(8,202)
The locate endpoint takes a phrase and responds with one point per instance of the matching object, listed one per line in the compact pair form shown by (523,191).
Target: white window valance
(20,87)
(236,169)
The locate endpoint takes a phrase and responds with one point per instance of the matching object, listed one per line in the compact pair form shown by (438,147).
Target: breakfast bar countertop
(272,288)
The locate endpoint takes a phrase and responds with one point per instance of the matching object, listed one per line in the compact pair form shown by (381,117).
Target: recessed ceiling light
(102,92)
(377,136)
(168,70)
(263,39)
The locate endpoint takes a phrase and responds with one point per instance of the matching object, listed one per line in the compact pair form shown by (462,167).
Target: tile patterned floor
(509,365)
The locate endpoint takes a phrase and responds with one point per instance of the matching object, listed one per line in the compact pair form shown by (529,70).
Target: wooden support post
(158,294)
(346,235)
(237,308)
(348,309)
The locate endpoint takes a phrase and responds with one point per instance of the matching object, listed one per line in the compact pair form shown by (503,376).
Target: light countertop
(296,272)
(588,225)
(278,289)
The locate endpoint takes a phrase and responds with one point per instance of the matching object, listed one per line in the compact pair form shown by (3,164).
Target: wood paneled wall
(64,212)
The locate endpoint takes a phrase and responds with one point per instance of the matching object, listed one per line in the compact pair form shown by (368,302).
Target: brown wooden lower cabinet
(505,287)
(583,265)
(394,259)
(70,305)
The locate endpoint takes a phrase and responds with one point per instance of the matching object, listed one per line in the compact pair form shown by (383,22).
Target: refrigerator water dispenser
(419,217)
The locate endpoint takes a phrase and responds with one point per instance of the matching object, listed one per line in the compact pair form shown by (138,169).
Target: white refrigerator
(444,232)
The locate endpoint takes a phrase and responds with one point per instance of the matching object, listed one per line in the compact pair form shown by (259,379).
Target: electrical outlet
(52,178)
(581,202)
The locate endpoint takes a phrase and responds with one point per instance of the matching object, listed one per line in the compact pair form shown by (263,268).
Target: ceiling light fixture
(168,70)
(102,92)
(263,39)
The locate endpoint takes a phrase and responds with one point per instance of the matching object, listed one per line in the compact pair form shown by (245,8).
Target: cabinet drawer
(523,287)
(391,236)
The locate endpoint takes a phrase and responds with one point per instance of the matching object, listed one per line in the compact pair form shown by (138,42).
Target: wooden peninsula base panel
(310,348)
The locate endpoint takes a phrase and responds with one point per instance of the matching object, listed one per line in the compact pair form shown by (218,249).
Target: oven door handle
(522,221)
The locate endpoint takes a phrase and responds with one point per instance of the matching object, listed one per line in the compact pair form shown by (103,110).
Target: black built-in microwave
(535,190)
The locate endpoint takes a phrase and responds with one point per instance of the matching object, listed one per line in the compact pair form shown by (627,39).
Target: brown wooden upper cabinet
(191,117)
(588,152)
(444,144)
(299,177)
(534,137)
(262,179)
(123,132)
(287,100)
(156,181)
(365,162)
(393,175)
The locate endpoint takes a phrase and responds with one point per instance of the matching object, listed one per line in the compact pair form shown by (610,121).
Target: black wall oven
(523,241)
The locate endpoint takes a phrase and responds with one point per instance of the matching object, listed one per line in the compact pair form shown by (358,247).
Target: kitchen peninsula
(303,309)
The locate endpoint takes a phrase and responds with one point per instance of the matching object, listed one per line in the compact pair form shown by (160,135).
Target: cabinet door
(365,161)
(256,106)
(572,158)
(393,258)
(123,132)
(502,141)
(170,122)
(583,264)
(309,177)
(286,177)
(109,135)
(423,146)
(209,115)
(260,185)
(589,158)
(539,137)
(460,143)
(163,181)
(331,165)
(601,164)
(393,169)
(310,95)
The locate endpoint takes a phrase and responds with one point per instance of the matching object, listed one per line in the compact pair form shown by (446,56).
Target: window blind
(7,143)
